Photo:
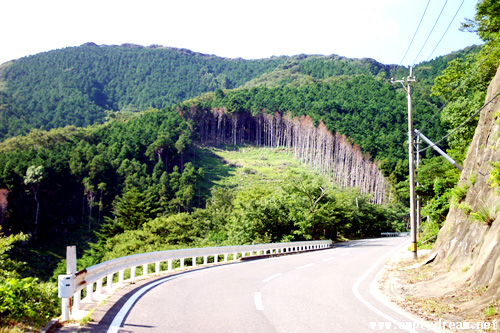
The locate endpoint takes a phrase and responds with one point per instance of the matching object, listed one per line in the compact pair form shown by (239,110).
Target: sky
(249,29)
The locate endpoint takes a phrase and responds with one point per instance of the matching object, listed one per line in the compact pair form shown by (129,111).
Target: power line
(462,124)
(415,32)
(449,25)
(430,33)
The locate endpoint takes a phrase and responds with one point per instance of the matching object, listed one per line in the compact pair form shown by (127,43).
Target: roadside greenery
(25,302)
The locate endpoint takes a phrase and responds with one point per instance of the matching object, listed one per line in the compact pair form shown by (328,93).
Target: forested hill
(81,85)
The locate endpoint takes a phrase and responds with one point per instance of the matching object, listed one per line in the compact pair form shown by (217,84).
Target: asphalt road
(321,291)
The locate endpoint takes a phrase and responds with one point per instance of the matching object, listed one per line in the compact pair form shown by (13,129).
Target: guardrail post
(145,270)
(76,300)
(205,260)
(194,261)
(109,282)
(157,267)
(235,256)
(225,257)
(216,258)
(170,265)
(132,273)
(70,269)
(121,273)
(98,287)
(90,292)
(182,263)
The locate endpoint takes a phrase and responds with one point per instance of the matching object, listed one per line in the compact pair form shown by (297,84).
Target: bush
(27,300)
(23,301)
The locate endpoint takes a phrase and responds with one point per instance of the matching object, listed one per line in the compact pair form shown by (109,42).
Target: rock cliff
(468,249)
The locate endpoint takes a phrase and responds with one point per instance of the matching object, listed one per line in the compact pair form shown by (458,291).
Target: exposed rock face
(468,249)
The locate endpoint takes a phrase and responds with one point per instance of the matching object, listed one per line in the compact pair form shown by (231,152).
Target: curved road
(322,291)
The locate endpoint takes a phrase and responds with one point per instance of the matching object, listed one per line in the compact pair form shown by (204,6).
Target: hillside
(77,85)
(465,276)
(85,84)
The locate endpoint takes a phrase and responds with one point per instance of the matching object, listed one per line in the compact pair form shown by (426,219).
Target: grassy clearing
(245,167)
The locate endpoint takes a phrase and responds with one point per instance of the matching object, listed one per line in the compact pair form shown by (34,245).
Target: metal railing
(91,279)
(395,234)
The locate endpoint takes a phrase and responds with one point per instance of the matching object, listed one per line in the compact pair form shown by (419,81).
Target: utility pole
(411,155)
(419,201)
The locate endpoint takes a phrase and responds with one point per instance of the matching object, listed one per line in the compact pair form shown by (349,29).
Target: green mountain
(82,85)
(77,85)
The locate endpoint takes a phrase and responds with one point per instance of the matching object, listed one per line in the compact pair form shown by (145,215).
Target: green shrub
(495,174)
(485,215)
(465,207)
(23,300)
(27,300)
(458,193)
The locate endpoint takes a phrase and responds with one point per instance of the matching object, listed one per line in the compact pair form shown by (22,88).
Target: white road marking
(330,258)
(355,290)
(120,316)
(344,254)
(271,277)
(304,266)
(257,296)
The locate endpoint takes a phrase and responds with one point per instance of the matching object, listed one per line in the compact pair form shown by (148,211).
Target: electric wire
(430,33)
(421,19)
(449,25)
(462,124)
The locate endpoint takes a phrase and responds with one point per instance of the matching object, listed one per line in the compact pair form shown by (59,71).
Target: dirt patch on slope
(432,294)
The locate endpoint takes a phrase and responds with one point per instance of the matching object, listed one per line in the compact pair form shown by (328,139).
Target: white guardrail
(395,234)
(71,285)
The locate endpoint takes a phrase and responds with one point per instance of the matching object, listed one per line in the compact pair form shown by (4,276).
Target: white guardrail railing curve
(395,234)
(91,279)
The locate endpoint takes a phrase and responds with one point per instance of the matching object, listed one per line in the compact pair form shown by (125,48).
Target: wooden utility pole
(411,155)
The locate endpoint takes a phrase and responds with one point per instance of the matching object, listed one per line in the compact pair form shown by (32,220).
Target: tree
(161,146)
(89,192)
(8,267)
(102,189)
(131,211)
(311,191)
(182,145)
(486,22)
(33,178)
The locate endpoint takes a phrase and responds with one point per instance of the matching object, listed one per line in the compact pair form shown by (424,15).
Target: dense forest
(117,149)
(84,85)
(79,85)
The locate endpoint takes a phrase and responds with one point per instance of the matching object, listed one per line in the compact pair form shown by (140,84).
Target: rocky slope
(468,249)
